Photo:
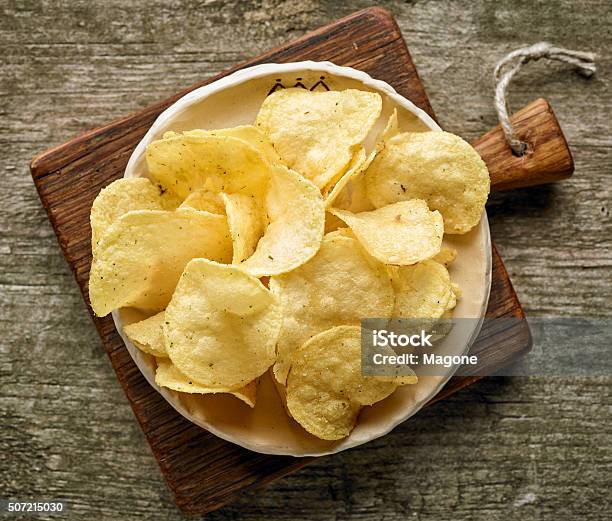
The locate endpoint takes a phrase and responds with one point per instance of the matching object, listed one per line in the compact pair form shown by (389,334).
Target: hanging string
(584,62)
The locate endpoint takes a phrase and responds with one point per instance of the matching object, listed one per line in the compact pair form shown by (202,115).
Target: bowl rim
(259,71)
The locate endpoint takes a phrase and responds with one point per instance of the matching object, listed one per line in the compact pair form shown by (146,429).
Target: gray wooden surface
(508,448)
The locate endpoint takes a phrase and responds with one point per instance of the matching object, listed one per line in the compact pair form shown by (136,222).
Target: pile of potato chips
(262,247)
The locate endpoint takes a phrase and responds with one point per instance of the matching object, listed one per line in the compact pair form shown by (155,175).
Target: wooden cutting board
(203,471)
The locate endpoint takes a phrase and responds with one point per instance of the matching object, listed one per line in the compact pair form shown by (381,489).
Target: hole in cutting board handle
(547,159)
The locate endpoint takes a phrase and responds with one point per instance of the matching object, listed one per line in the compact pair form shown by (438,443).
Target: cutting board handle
(547,159)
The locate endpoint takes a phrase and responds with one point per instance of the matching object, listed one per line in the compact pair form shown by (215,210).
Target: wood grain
(546,160)
(506,449)
(350,42)
(202,471)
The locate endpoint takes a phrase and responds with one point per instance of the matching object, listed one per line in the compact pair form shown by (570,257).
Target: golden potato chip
(358,166)
(148,335)
(340,285)
(438,167)
(400,380)
(244,218)
(346,232)
(326,417)
(401,233)
(317,133)
(391,129)
(185,163)
(446,256)
(255,137)
(142,255)
(204,200)
(221,325)
(422,291)
(249,133)
(335,186)
(333,223)
(349,193)
(281,390)
(296,216)
(245,224)
(353,197)
(167,375)
(325,387)
(122,196)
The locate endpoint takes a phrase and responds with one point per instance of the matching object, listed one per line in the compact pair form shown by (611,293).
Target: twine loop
(584,62)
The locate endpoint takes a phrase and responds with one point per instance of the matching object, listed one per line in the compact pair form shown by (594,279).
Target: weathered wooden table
(507,448)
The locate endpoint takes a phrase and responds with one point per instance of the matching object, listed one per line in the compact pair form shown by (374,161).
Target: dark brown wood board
(203,471)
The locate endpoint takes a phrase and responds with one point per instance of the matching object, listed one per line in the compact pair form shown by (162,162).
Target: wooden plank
(203,471)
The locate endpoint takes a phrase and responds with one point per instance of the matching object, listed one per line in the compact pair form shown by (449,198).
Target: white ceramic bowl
(235,100)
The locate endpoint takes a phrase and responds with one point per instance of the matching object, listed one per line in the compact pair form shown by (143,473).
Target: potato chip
(142,255)
(185,163)
(167,375)
(245,224)
(446,256)
(346,232)
(410,378)
(249,133)
(325,386)
(438,167)
(422,291)
(349,193)
(353,197)
(317,133)
(335,186)
(333,223)
(204,200)
(350,177)
(296,216)
(121,196)
(255,137)
(221,325)
(244,218)
(401,233)
(340,285)
(148,335)
(281,390)
(391,129)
